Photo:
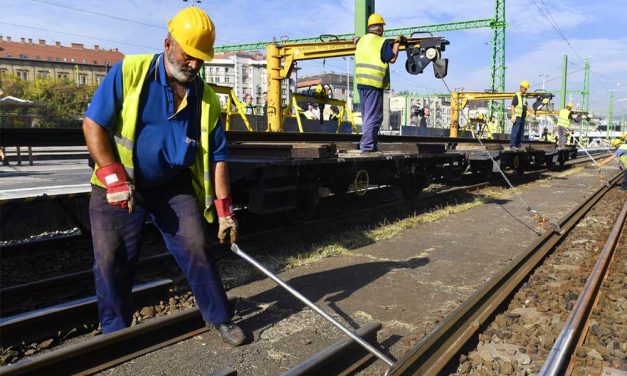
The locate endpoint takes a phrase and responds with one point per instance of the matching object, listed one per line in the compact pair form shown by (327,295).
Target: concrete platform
(408,283)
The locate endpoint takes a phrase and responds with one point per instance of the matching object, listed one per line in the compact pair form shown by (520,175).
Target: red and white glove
(227,224)
(119,189)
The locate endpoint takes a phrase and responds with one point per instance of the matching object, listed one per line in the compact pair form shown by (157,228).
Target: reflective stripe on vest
(623,158)
(369,69)
(134,71)
(518,110)
(564,118)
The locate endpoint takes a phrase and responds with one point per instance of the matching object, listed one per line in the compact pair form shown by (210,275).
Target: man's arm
(98,143)
(220,175)
(395,48)
(607,160)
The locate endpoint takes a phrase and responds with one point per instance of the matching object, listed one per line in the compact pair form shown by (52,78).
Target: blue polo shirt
(166,141)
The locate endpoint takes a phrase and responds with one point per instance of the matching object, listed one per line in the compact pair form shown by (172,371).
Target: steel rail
(435,352)
(573,330)
(12,296)
(105,351)
(35,325)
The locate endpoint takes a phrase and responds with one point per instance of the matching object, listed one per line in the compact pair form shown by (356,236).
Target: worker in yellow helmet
(153,128)
(563,125)
(519,108)
(621,154)
(373,55)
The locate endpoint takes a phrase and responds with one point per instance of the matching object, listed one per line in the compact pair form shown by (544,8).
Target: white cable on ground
(535,214)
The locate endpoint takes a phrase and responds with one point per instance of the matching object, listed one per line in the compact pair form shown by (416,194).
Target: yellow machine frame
(233,105)
(294,110)
(460,99)
(281,59)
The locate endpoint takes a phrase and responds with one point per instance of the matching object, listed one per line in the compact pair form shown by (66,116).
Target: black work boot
(230,333)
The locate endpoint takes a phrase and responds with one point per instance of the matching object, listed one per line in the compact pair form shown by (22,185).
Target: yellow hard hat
(616,142)
(194,31)
(524,84)
(569,105)
(375,19)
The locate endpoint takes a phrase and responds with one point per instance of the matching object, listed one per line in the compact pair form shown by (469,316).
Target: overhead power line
(111,16)
(79,35)
(555,26)
(100,14)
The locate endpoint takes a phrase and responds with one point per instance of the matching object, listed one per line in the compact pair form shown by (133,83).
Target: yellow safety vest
(369,69)
(623,158)
(518,109)
(134,71)
(564,118)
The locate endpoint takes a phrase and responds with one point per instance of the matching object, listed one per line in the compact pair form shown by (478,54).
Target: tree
(64,102)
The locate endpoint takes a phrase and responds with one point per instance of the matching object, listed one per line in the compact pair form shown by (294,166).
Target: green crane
(363,8)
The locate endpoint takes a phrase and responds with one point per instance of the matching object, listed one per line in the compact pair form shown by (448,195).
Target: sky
(535,46)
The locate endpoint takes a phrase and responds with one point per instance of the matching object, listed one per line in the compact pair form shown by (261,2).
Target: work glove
(119,189)
(400,39)
(227,224)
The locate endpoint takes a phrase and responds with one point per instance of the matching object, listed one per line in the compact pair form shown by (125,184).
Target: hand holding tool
(227,224)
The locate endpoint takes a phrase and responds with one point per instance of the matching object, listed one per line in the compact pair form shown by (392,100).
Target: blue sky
(533,46)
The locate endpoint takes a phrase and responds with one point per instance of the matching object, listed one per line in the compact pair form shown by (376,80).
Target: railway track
(64,286)
(189,320)
(440,350)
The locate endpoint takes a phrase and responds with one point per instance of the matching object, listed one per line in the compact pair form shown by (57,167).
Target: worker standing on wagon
(153,129)
(373,55)
(519,114)
(563,125)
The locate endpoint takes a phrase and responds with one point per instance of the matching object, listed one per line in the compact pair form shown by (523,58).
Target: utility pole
(497,69)
(610,121)
(585,93)
(544,76)
(363,10)
(564,73)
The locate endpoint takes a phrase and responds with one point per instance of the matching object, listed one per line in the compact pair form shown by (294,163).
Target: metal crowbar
(235,248)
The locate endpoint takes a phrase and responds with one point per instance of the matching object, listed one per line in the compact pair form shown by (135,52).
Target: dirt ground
(408,283)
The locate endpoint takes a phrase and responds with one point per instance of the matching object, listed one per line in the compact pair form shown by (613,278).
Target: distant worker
(519,114)
(321,93)
(249,109)
(545,134)
(563,125)
(551,137)
(263,110)
(424,120)
(492,127)
(373,55)
(621,154)
(153,127)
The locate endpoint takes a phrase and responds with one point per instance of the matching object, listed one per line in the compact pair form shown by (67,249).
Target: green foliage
(64,102)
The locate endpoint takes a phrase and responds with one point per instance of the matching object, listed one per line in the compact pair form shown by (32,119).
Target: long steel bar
(311,305)
(561,352)
(435,351)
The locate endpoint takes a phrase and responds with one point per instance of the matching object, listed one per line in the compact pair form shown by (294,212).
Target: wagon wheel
(361,182)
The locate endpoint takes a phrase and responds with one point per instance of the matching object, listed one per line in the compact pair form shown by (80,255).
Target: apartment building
(29,60)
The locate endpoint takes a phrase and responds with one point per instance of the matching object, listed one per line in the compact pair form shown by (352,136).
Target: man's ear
(167,44)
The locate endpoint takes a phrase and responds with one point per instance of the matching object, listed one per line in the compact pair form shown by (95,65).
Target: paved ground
(19,180)
(408,283)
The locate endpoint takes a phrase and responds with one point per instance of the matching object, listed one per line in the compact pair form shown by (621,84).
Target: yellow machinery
(294,110)
(233,105)
(281,59)
(460,99)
